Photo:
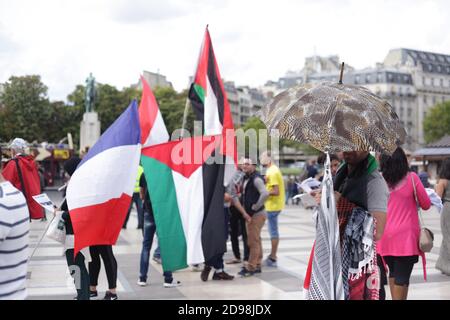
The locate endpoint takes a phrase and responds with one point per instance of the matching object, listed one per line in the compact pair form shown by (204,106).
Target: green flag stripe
(200,92)
(169,228)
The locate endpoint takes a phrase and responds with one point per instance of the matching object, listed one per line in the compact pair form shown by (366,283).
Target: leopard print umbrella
(334,117)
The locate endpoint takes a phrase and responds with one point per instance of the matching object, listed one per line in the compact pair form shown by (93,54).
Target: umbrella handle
(342,73)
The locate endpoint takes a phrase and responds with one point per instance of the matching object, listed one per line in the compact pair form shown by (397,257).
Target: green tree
(437,122)
(25,109)
(172,105)
(256,124)
(64,119)
(109,103)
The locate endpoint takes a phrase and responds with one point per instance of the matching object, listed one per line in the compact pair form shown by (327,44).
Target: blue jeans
(288,196)
(149,233)
(272,217)
(157,252)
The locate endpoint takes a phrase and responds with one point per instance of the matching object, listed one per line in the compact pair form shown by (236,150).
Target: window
(368,78)
(357,79)
(409,110)
(379,77)
(442,83)
(425,99)
(390,77)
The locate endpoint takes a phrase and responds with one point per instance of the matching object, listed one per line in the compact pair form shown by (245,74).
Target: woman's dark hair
(394,168)
(445,169)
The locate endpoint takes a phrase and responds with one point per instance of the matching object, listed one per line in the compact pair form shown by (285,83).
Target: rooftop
(444,142)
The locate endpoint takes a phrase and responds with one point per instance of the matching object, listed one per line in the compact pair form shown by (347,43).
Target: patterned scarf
(356,228)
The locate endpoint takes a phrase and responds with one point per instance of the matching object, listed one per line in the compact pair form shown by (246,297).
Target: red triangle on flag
(184,156)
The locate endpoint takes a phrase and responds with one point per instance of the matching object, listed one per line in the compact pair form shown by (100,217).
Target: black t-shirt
(147,203)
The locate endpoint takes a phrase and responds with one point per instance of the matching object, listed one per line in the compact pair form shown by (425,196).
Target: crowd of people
(382,186)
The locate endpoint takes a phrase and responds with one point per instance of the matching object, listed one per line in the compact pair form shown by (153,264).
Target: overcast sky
(254,41)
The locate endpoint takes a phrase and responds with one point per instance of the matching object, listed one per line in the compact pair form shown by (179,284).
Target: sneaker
(258,270)
(196,268)
(110,296)
(157,260)
(141,283)
(205,273)
(271,262)
(172,284)
(93,295)
(245,273)
(222,276)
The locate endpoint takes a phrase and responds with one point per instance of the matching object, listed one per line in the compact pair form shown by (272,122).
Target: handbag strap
(419,211)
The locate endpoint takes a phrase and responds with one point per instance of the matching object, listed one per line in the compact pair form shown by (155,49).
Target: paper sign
(309,184)
(44,201)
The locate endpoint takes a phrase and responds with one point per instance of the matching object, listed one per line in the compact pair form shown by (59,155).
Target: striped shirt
(14,229)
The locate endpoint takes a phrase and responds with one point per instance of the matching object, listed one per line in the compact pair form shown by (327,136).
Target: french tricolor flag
(99,192)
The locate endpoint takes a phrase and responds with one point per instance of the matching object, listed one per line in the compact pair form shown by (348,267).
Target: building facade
(431,77)
(154,80)
(411,81)
(244,101)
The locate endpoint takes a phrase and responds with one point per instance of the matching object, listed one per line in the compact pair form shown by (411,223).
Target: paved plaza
(48,276)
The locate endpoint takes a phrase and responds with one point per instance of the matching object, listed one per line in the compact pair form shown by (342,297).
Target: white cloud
(254,41)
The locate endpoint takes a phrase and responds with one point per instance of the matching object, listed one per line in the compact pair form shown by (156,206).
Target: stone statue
(90,93)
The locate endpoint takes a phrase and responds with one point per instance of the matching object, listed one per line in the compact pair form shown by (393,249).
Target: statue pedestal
(89,130)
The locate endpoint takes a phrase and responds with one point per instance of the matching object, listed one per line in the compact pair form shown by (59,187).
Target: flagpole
(186,107)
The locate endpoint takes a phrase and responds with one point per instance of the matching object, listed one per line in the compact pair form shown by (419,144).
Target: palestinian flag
(187,192)
(209,100)
(153,129)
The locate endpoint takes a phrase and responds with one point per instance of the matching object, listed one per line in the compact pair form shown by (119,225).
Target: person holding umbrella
(334,118)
